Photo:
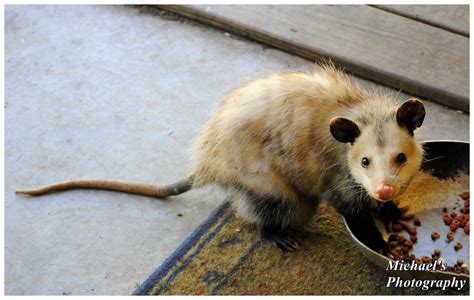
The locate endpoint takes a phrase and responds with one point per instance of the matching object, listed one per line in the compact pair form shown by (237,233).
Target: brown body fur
(271,136)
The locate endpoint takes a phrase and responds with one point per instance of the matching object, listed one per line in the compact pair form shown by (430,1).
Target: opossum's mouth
(380,200)
(391,198)
(395,195)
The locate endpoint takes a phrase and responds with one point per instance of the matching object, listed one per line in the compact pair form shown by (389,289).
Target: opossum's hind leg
(274,222)
(273,218)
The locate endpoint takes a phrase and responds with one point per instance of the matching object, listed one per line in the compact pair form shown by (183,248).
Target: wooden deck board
(387,48)
(454,18)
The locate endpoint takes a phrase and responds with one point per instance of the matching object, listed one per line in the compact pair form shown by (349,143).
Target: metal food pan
(447,161)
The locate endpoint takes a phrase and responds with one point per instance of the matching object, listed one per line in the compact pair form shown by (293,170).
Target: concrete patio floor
(109,92)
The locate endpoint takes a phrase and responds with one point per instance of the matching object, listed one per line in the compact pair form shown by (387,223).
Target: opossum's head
(383,156)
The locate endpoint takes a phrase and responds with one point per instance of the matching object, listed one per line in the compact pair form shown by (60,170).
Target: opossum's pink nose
(384,192)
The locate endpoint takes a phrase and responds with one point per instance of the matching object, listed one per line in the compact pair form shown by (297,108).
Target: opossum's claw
(281,238)
(404,209)
(407,216)
(284,242)
(287,244)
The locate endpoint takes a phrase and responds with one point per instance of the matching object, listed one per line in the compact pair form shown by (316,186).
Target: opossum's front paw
(282,240)
(376,243)
(406,215)
(389,212)
(383,248)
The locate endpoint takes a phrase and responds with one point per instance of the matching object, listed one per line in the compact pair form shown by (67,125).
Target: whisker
(428,160)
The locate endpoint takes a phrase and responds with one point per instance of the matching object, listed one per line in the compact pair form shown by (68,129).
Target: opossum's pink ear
(410,114)
(344,130)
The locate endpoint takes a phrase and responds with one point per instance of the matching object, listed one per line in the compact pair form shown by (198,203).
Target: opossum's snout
(385,189)
(385,192)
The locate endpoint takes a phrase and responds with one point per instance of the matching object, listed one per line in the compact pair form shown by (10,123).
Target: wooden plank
(384,47)
(454,18)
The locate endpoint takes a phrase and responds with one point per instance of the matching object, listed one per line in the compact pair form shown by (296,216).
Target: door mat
(223,256)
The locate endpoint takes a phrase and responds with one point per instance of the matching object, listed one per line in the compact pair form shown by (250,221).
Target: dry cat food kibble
(416,222)
(453,227)
(450,236)
(465,197)
(393,244)
(408,244)
(455,220)
(408,228)
(425,259)
(396,228)
(458,246)
(393,237)
(446,219)
(434,236)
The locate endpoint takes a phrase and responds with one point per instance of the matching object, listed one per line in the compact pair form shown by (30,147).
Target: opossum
(282,143)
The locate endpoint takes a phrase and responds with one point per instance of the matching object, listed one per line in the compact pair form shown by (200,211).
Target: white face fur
(384,165)
(383,155)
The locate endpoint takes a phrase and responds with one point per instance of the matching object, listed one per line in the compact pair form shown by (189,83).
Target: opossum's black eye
(365,162)
(401,158)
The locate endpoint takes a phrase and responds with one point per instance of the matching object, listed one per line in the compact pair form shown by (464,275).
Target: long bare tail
(115,185)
